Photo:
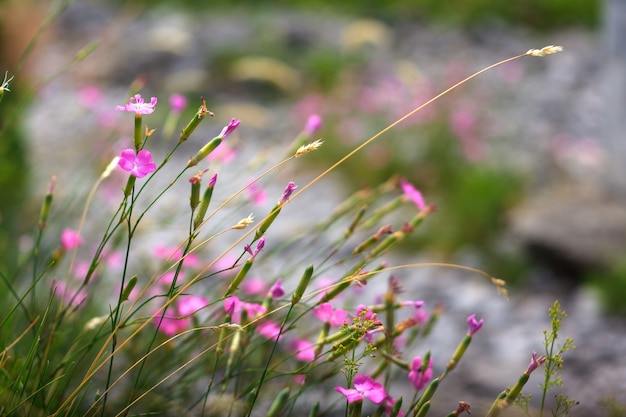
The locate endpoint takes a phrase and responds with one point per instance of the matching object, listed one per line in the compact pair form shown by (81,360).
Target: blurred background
(525,164)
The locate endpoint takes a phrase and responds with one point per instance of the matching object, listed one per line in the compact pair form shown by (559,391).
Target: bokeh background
(519,162)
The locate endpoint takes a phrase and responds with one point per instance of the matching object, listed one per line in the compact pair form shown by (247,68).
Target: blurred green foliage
(611,285)
(537,14)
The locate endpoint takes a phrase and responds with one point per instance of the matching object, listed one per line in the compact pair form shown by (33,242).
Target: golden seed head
(107,171)
(546,50)
(243,223)
(304,149)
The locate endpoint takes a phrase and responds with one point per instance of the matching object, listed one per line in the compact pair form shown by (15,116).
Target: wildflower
(327,314)
(254,286)
(535,362)
(138,165)
(413,194)
(313,124)
(138,106)
(190,304)
(234,307)
(90,96)
(70,239)
(472,325)
(420,378)
(260,244)
(291,187)
(178,102)
(277,290)
(305,350)
(230,128)
(269,330)
(364,387)
(546,50)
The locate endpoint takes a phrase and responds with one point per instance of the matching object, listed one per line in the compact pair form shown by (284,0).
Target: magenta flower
(269,330)
(189,304)
(327,314)
(472,325)
(535,362)
(413,194)
(70,239)
(178,102)
(230,128)
(234,307)
(305,350)
(277,290)
(138,106)
(291,187)
(138,165)
(364,387)
(313,124)
(259,246)
(418,378)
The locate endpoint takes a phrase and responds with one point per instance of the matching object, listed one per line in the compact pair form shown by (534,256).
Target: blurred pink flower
(257,195)
(277,290)
(138,165)
(305,350)
(70,239)
(137,105)
(90,96)
(178,102)
(254,286)
(313,124)
(413,194)
(269,330)
(223,153)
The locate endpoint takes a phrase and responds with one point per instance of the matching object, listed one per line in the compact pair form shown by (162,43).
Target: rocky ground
(554,96)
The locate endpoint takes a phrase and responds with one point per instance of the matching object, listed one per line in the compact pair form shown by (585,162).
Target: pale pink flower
(254,286)
(138,165)
(535,362)
(90,96)
(364,387)
(223,153)
(70,239)
(291,187)
(70,296)
(190,304)
(138,106)
(257,195)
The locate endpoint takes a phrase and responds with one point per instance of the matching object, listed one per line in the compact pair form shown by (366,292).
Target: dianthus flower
(139,164)
(418,378)
(473,325)
(138,106)
(364,387)
(327,314)
(269,330)
(230,128)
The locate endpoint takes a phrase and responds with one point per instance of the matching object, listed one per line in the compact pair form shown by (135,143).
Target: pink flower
(138,165)
(178,102)
(230,128)
(70,239)
(291,187)
(138,106)
(305,350)
(472,325)
(413,194)
(223,153)
(234,307)
(90,96)
(179,320)
(364,387)
(313,124)
(417,377)
(190,304)
(254,286)
(535,362)
(259,246)
(327,314)
(268,330)
(277,290)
